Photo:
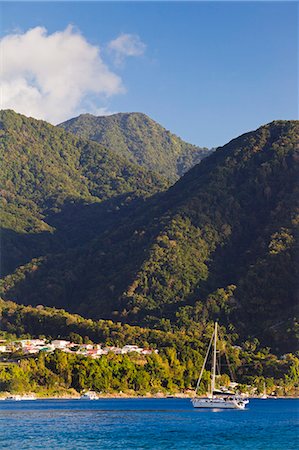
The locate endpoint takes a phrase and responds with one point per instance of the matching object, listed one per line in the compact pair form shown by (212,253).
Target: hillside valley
(95,234)
(58,189)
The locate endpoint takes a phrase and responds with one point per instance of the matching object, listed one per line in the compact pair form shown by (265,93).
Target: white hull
(86,397)
(219,403)
(89,396)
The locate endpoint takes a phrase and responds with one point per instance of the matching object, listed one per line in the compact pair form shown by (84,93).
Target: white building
(112,349)
(131,348)
(60,343)
(32,343)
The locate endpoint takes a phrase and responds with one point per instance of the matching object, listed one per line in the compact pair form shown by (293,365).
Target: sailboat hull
(219,403)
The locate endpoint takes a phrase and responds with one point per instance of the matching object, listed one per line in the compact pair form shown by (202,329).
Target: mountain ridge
(162,261)
(45,170)
(141,140)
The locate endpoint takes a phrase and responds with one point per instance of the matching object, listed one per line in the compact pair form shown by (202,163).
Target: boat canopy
(222,392)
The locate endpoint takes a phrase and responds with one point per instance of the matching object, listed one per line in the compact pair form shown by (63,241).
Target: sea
(140,423)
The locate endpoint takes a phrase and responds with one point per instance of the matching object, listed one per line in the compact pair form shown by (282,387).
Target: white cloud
(51,76)
(126,45)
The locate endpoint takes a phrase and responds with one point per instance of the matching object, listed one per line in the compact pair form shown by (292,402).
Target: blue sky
(206,71)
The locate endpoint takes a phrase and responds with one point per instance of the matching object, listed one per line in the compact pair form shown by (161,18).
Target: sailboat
(264,396)
(220,399)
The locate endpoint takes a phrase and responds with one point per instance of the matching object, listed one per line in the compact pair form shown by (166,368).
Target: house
(32,343)
(131,348)
(146,351)
(112,349)
(60,343)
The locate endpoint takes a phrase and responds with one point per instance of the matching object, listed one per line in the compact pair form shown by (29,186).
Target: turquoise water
(147,424)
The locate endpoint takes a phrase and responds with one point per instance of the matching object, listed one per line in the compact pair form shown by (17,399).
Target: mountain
(222,243)
(52,178)
(140,140)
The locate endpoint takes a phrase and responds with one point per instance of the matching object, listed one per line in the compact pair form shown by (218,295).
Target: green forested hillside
(230,245)
(174,369)
(140,140)
(45,165)
(221,243)
(53,181)
(239,211)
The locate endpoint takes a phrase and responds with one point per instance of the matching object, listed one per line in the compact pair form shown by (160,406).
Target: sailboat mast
(214,360)
(203,366)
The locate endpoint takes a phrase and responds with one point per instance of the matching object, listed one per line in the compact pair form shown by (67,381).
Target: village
(34,346)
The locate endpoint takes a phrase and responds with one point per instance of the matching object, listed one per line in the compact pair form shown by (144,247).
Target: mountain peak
(141,140)
(220,244)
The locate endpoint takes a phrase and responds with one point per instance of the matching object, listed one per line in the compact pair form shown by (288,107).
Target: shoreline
(118,396)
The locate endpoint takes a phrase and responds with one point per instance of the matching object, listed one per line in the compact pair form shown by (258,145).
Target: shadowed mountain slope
(46,173)
(221,243)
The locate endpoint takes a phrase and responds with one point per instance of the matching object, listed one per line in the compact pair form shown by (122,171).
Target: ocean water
(147,424)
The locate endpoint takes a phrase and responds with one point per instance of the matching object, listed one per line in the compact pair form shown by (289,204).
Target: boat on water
(264,396)
(28,397)
(216,399)
(18,397)
(89,395)
(14,398)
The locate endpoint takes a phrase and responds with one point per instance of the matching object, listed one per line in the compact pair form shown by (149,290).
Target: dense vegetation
(20,320)
(222,243)
(46,166)
(52,374)
(174,369)
(53,181)
(140,140)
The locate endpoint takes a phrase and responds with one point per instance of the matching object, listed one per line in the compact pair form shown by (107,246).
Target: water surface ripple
(147,424)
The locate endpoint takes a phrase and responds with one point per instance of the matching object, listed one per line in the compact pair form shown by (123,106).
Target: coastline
(116,396)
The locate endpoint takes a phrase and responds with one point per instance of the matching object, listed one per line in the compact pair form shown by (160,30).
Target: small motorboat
(89,395)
